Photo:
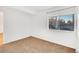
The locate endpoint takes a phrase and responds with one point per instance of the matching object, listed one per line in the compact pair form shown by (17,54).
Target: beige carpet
(34,45)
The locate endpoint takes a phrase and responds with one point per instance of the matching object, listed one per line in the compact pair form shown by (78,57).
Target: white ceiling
(36,9)
(31,9)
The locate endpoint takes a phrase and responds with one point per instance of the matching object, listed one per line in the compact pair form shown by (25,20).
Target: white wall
(40,29)
(16,24)
(1,22)
(77,49)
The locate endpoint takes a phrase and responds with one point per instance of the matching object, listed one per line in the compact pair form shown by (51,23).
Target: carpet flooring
(34,45)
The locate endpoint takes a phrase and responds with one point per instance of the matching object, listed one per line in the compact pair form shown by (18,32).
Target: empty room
(39,29)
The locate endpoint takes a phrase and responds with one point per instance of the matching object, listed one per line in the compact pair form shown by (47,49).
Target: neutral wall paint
(77,49)
(1,22)
(16,24)
(19,25)
(40,29)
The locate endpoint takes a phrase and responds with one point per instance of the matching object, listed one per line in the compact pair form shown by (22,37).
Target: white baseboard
(77,51)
